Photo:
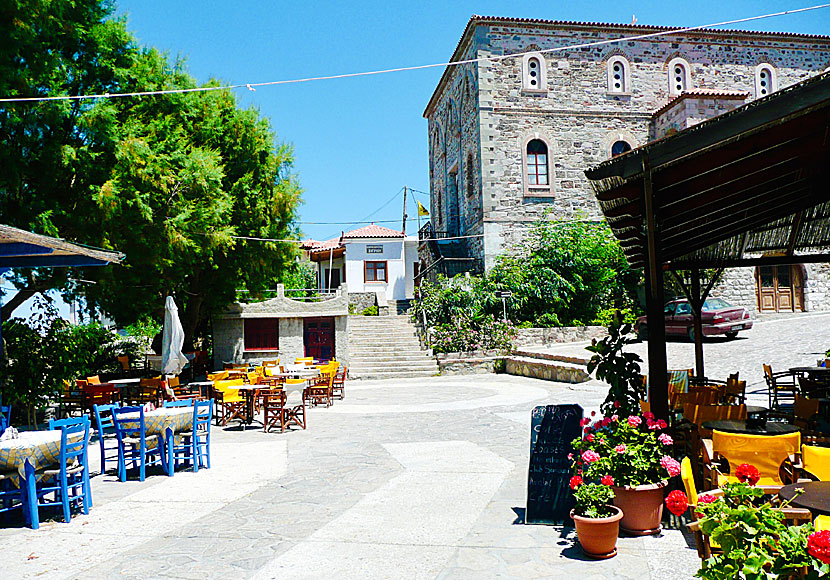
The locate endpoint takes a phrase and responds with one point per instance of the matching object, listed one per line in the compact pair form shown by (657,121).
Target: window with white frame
(766,81)
(534,72)
(619,75)
(679,76)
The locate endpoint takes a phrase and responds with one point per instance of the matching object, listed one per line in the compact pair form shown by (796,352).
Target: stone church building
(509,138)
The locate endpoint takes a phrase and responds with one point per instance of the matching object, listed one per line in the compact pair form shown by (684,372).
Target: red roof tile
(706,93)
(372,231)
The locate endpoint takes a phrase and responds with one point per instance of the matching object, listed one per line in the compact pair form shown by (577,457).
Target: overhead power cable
(254,86)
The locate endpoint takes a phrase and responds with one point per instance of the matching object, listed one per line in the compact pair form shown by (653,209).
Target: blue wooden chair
(133,442)
(194,447)
(105,425)
(12,497)
(68,482)
(5,417)
(181,403)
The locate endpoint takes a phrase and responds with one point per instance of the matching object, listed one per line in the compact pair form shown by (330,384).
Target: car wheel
(642,333)
(691,334)
(731,335)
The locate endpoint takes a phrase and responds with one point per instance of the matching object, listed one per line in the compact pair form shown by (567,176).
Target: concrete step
(549,370)
(411,365)
(387,352)
(578,360)
(390,358)
(382,333)
(392,375)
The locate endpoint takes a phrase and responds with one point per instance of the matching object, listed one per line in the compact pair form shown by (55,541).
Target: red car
(717,316)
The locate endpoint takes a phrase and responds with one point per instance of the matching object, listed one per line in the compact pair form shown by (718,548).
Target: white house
(378,264)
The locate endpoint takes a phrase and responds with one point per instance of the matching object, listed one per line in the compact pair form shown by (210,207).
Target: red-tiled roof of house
(706,93)
(316,245)
(372,231)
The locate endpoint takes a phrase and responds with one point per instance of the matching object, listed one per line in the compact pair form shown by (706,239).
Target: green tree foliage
(167,179)
(54,154)
(565,273)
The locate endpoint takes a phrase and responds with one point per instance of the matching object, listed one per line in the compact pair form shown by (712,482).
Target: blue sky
(359,141)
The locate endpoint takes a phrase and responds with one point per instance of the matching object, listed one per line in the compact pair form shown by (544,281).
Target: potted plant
(597,521)
(634,452)
(754,540)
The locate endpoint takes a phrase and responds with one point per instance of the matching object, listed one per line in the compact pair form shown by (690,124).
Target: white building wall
(410,259)
(395,288)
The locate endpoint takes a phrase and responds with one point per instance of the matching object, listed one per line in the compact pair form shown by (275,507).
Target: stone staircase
(547,366)
(387,347)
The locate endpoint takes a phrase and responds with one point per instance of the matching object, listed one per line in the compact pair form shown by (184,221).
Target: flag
(421,209)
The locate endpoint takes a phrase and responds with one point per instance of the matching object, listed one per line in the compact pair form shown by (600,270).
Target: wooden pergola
(747,188)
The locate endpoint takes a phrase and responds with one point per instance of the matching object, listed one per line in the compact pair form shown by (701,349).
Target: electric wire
(493,58)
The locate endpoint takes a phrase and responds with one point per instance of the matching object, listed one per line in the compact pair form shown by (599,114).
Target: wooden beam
(749,262)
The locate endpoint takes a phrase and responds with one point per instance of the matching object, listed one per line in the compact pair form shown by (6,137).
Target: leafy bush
(370,311)
(45,351)
(144,331)
(469,334)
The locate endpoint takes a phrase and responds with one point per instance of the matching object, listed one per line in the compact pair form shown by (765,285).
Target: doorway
(318,338)
(780,288)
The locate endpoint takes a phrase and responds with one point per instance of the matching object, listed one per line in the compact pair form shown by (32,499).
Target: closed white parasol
(172,340)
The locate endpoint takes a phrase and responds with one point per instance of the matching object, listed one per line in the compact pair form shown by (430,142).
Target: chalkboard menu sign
(552,429)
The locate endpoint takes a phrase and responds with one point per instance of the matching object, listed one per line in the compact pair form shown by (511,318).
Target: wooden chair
(734,392)
(295,414)
(230,404)
(805,412)
(768,453)
(94,380)
(71,401)
(97,394)
(105,426)
(306,360)
(273,409)
(700,414)
(134,445)
(338,384)
(781,387)
(319,390)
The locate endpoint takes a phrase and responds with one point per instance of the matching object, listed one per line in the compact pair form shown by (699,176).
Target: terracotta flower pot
(598,536)
(642,508)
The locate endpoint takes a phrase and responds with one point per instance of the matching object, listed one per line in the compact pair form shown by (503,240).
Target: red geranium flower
(607,480)
(576,481)
(747,473)
(706,498)
(677,502)
(818,546)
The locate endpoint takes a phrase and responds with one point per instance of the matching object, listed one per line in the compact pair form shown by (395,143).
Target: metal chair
(781,387)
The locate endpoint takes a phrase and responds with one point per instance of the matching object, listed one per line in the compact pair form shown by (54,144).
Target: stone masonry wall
(542,336)
(575,115)
(738,287)
(362,300)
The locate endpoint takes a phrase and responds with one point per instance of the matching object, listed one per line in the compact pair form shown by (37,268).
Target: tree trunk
(16,300)
(190,320)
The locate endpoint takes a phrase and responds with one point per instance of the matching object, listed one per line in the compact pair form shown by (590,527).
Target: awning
(751,181)
(22,249)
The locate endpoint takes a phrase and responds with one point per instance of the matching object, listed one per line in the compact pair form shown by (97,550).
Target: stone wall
(360,301)
(469,363)
(542,336)
(482,110)
(738,287)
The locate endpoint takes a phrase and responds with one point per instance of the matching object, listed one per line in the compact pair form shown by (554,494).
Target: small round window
(620,147)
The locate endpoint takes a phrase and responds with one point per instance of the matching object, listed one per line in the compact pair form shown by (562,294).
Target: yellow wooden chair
(766,452)
(230,404)
(306,360)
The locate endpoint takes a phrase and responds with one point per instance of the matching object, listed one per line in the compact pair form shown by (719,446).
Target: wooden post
(403,227)
(696,301)
(658,384)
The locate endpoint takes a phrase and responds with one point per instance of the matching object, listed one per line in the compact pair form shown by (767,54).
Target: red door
(318,338)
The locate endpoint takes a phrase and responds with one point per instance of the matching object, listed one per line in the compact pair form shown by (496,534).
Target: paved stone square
(409,479)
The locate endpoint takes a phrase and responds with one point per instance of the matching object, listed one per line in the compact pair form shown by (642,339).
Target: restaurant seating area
(143,426)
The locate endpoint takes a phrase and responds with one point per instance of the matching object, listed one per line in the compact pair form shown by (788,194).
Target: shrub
(370,311)
(466,334)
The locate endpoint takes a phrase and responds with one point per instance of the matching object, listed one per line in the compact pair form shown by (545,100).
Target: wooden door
(780,288)
(318,338)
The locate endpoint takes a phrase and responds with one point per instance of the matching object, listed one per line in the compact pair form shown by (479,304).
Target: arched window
(537,163)
(619,75)
(620,147)
(766,81)
(534,73)
(679,76)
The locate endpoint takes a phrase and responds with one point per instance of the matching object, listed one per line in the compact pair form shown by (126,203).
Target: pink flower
(662,424)
(591,456)
(620,448)
(570,456)
(617,404)
(665,439)
(634,421)
(584,422)
(607,480)
(615,418)
(593,413)
(706,498)
(649,416)
(671,465)
(589,438)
